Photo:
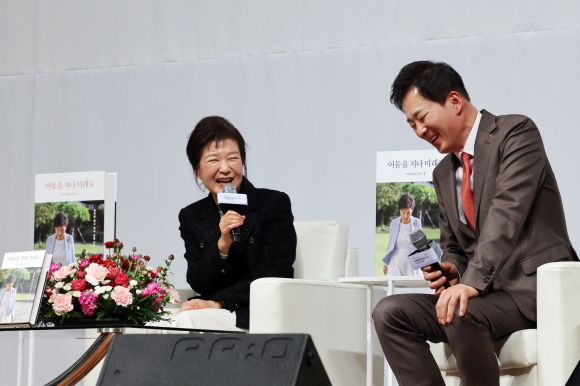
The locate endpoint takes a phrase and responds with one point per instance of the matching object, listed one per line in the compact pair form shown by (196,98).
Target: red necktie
(466,192)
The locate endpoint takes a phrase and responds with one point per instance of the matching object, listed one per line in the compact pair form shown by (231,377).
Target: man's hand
(449,298)
(437,278)
(198,304)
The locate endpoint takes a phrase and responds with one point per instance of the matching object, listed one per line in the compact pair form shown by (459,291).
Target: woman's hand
(198,304)
(229,221)
(385,269)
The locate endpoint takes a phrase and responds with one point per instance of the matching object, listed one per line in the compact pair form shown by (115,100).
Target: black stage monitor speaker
(575,377)
(213,359)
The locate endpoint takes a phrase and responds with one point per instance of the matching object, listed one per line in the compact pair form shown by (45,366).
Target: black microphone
(427,253)
(230,199)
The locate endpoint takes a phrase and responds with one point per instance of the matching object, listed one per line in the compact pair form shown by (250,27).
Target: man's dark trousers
(405,322)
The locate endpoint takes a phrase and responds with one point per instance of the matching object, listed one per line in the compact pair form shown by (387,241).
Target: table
(390,282)
(96,352)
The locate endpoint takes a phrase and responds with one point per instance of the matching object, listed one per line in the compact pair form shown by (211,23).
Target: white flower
(67,287)
(133,283)
(76,294)
(138,292)
(108,288)
(99,290)
(106,281)
(59,284)
(150,269)
(50,300)
(105,296)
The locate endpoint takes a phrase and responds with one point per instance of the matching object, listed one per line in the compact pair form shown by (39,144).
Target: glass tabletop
(104,325)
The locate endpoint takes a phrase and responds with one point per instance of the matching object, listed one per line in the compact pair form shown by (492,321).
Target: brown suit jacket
(519,216)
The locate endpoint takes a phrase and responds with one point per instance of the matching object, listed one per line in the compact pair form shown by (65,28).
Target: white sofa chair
(334,314)
(545,356)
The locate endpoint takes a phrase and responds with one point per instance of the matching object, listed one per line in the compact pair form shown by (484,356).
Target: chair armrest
(334,314)
(558,322)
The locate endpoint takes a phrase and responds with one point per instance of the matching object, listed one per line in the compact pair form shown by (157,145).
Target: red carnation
(124,263)
(109,244)
(153,274)
(112,273)
(108,264)
(121,279)
(80,274)
(78,285)
(146,258)
(96,258)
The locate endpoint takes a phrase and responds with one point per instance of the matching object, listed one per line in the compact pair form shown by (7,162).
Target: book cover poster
(69,214)
(19,279)
(403,178)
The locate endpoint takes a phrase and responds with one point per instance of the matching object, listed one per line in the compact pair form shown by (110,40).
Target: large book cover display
(398,173)
(22,279)
(72,212)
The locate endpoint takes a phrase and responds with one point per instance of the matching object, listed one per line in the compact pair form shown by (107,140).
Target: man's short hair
(433,80)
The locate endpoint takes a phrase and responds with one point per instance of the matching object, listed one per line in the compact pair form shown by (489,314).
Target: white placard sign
(232,198)
(407,166)
(30,259)
(60,187)
(422,259)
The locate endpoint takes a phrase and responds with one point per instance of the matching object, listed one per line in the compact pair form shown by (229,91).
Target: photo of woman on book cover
(64,229)
(399,248)
(402,208)
(61,244)
(8,300)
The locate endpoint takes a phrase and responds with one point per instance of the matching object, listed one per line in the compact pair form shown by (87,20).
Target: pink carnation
(173,295)
(53,267)
(122,296)
(62,273)
(152,289)
(135,257)
(62,303)
(84,262)
(96,273)
(88,302)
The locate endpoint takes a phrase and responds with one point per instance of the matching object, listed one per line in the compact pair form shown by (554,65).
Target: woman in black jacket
(219,270)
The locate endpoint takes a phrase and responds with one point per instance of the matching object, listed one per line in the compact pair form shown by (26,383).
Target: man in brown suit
(501,217)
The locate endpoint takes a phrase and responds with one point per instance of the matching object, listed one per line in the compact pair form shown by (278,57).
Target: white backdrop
(119,85)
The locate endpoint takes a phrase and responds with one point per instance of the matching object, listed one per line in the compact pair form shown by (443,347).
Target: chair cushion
(516,351)
(321,250)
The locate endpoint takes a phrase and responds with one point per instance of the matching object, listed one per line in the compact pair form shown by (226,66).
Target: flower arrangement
(116,287)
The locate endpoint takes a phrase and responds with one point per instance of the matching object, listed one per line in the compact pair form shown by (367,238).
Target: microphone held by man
(427,253)
(230,199)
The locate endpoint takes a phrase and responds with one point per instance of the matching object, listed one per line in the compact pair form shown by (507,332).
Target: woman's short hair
(406,201)
(212,129)
(60,219)
(10,279)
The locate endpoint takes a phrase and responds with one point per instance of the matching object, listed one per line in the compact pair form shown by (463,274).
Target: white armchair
(334,314)
(545,356)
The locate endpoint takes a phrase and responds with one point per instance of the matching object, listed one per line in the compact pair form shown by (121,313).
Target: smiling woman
(220,270)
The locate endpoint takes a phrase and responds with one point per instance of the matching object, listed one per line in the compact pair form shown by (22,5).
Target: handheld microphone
(230,199)
(427,253)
